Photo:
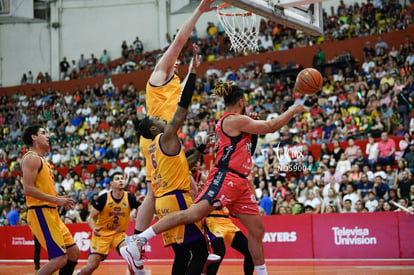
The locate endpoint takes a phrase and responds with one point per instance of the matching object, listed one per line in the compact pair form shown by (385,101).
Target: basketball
(309,81)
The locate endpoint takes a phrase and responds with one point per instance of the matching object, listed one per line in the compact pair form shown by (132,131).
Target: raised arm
(234,125)
(169,140)
(165,66)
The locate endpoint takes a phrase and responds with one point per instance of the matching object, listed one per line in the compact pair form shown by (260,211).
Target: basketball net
(242,27)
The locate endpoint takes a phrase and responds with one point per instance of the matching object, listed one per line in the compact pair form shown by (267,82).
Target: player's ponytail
(229,91)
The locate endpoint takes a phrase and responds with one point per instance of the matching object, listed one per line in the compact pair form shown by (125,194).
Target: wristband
(254,144)
(187,92)
(200,147)
(137,231)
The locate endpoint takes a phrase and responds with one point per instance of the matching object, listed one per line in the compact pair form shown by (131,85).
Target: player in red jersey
(227,184)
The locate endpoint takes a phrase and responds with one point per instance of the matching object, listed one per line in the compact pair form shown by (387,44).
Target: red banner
(288,237)
(333,236)
(356,236)
(406,229)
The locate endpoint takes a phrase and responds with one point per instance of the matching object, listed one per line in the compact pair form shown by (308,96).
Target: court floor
(235,267)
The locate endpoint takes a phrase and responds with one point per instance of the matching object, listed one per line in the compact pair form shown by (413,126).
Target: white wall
(23,47)
(86,26)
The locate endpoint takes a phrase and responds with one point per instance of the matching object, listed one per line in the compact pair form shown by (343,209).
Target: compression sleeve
(187,93)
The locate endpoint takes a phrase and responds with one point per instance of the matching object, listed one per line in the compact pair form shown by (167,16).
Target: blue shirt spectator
(266,203)
(364,186)
(13,216)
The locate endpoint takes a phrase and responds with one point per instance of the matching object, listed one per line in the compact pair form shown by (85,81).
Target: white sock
(122,251)
(261,269)
(148,233)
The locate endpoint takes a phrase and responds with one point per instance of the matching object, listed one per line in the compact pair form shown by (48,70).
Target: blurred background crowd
(361,100)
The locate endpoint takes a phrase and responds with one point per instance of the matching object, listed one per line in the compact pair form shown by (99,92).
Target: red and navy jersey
(197,176)
(233,153)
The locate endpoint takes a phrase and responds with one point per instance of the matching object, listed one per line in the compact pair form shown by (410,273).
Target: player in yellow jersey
(109,218)
(162,92)
(42,200)
(171,183)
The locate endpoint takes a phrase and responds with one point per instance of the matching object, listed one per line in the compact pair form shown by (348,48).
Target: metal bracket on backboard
(306,18)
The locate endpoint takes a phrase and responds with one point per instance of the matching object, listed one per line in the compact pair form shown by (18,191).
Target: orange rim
(224,5)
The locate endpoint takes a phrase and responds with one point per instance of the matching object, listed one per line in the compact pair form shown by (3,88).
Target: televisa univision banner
(306,236)
(356,236)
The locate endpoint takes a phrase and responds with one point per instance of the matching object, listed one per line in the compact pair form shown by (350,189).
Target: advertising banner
(356,236)
(307,236)
(406,236)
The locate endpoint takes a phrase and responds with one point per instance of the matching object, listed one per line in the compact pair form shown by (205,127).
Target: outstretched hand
(298,108)
(254,115)
(195,61)
(205,6)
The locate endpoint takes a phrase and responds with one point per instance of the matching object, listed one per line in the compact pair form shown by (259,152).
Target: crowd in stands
(344,22)
(99,125)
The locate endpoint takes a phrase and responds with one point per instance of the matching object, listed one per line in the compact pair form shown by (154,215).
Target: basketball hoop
(241,26)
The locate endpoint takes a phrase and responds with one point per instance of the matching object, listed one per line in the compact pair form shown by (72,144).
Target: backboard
(305,15)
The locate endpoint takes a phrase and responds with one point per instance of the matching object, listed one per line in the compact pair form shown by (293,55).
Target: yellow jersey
(161,101)
(44,182)
(169,172)
(114,216)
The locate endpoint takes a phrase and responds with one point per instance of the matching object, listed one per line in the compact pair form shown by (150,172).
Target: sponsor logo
(218,178)
(285,163)
(82,240)
(21,241)
(280,237)
(253,198)
(353,236)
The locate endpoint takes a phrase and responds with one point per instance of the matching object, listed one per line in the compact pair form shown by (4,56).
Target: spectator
(337,151)
(115,168)
(381,44)
(99,152)
(380,189)
(63,68)
(99,170)
(385,150)
(360,160)
(82,63)
(348,207)
(352,195)
(369,51)
(265,202)
(68,182)
(13,215)
(371,203)
(130,168)
(404,185)
(351,151)
(343,166)
(364,187)
(328,131)
(371,150)
(331,200)
(404,105)
(105,58)
(312,201)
